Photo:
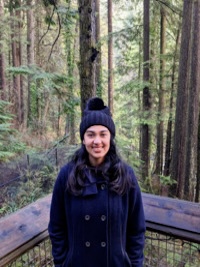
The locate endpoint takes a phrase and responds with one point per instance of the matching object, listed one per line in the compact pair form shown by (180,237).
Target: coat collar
(94,176)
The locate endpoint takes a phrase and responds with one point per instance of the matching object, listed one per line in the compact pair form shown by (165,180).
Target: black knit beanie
(96,113)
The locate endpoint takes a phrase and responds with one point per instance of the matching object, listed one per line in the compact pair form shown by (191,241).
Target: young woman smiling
(96,217)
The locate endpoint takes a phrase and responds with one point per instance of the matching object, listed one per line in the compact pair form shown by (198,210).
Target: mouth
(97,149)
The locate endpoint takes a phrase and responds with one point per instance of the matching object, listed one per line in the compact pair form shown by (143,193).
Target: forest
(140,56)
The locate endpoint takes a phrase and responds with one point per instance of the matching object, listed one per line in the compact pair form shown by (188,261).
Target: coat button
(87,217)
(103,244)
(103,218)
(87,244)
(103,186)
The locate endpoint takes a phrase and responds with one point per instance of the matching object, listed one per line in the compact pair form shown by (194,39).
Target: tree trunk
(71,50)
(180,131)
(146,95)
(88,51)
(20,57)
(30,53)
(160,126)
(197,191)
(110,58)
(168,146)
(99,88)
(193,109)
(39,62)
(2,59)
(16,99)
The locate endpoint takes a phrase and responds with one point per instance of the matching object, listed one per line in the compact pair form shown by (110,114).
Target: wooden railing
(26,228)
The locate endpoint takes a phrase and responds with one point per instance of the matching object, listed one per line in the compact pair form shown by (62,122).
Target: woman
(96,217)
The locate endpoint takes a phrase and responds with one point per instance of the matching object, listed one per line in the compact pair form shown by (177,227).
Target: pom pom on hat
(96,113)
(95,104)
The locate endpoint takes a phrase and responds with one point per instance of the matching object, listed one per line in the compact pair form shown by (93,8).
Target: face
(97,143)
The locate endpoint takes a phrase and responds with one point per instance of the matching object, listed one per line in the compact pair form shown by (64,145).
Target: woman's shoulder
(129,169)
(131,175)
(64,172)
(67,167)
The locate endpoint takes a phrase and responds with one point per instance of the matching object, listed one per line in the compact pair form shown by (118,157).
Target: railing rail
(26,228)
(179,218)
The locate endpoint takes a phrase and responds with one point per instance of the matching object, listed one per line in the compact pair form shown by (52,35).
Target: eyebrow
(95,131)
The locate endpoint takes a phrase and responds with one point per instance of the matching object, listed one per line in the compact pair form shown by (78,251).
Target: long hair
(113,167)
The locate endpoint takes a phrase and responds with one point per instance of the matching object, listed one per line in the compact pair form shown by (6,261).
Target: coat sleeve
(57,225)
(136,225)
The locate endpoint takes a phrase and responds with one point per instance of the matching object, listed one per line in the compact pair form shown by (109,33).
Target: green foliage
(167,180)
(49,20)
(33,184)
(9,144)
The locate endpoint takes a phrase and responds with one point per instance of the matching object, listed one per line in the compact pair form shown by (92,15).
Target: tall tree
(110,57)
(168,146)
(160,124)
(145,142)
(88,50)
(30,51)
(197,191)
(193,109)
(98,42)
(180,131)
(71,48)
(2,57)
(16,98)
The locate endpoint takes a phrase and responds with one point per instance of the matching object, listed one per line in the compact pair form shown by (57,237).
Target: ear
(83,142)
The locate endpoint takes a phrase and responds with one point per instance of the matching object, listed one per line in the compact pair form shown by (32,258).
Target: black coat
(99,228)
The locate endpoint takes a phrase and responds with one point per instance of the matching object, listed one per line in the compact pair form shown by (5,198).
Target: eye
(90,135)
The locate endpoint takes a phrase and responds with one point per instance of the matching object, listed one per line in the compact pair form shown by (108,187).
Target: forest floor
(56,156)
(11,170)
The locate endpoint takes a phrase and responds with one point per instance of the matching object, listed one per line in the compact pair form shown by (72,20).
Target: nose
(97,140)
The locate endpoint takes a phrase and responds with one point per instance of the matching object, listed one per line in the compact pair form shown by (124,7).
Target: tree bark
(168,146)
(193,109)
(30,53)
(180,131)
(110,58)
(88,51)
(197,191)
(98,42)
(145,143)
(160,126)
(2,59)
(16,98)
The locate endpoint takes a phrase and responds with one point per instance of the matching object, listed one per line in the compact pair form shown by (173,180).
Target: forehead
(97,128)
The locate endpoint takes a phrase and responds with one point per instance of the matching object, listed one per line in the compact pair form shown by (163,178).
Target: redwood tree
(110,58)
(160,123)
(30,51)
(88,50)
(193,109)
(180,131)
(145,142)
(2,58)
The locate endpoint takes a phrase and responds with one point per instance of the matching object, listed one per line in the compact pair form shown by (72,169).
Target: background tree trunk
(2,58)
(180,131)
(193,109)
(110,58)
(197,191)
(160,126)
(99,88)
(168,146)
(145,143)
(30,53)
(16,98)
(88,51)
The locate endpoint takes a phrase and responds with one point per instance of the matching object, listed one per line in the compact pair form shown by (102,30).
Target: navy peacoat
(99,228)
